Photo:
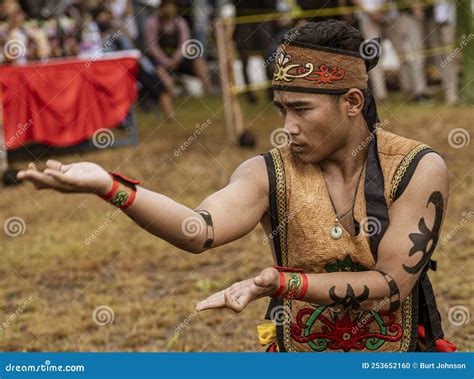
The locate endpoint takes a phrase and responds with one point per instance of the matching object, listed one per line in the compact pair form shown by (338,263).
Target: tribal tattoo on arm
(350,300)
(421,241)
(394,294)
(209,228)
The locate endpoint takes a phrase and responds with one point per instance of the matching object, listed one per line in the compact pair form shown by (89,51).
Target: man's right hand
(81,177)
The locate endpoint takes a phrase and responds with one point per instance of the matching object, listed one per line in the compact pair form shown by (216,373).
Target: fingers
(39,179)
(60,177)
(233,302)
(212,302)
(55,165)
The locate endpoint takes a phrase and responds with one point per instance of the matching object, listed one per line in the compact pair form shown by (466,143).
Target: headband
(302,67)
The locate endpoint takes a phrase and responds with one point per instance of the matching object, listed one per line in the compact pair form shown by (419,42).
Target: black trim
(321,91)
(328,49)
(273,209)
(376,207)
(429,315)
(415,310)
(410,171)
(273,212)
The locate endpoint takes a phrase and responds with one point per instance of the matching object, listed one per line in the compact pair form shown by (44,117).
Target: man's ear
(354,101)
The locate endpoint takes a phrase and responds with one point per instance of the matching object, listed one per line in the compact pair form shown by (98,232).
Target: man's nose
(291,126)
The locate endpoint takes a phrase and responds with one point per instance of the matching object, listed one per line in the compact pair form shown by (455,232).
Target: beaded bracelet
(123,191)
(293,283)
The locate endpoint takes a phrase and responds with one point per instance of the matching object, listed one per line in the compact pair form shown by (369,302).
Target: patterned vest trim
(294,186)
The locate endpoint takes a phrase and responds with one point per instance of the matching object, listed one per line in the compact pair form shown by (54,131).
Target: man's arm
(415,223)
(234,210)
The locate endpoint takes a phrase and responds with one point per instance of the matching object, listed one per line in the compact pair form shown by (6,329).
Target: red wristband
(281,287)
(118,193)
(283,283)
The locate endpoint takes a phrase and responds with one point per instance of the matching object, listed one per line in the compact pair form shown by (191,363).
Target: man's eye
(300,110)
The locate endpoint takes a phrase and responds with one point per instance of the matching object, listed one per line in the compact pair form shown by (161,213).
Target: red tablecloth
(63,103)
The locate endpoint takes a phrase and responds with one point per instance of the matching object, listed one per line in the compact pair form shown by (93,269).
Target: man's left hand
(238,295)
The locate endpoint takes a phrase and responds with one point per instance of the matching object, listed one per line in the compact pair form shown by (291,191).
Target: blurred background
(177,94)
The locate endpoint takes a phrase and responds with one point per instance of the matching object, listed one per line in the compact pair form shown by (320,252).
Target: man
(353,215)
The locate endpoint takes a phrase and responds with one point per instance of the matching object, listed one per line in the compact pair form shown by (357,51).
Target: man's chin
(304,157)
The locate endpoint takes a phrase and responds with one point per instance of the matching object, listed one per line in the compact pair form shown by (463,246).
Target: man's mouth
(296,146)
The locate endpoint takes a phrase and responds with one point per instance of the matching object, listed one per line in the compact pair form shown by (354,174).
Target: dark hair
(329,33)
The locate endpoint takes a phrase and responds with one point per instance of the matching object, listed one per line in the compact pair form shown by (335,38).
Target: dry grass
(151,286)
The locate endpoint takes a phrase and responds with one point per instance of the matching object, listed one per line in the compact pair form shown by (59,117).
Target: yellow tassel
(266,333)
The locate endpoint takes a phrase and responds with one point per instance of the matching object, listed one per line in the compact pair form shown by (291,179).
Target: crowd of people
(160,28)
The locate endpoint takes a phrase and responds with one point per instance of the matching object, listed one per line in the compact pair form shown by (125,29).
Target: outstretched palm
(240,294)
(74,177)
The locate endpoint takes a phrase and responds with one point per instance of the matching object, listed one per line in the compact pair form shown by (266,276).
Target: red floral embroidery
(324,75)
(344,333)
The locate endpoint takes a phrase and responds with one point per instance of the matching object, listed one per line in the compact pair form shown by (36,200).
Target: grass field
(77,253)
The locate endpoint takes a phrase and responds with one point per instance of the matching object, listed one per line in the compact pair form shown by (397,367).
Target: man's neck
(347,162)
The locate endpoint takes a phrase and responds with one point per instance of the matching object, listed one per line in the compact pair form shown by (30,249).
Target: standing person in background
(412,22)
(375,22)
(444,32)
(251,38)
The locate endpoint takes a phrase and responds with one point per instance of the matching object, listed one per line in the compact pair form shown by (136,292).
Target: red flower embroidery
(324,75)
(343,334)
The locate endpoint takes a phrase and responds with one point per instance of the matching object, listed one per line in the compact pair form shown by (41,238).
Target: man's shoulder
(254,172)
(394,144)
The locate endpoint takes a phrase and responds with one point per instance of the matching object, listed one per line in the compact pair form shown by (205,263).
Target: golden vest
(305,217)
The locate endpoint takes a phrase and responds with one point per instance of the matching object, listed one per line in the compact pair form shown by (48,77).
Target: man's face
(317,125)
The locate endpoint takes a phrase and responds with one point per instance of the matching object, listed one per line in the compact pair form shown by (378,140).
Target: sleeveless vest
(302,217)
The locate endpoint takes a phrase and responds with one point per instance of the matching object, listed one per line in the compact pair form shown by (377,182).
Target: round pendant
(336,232)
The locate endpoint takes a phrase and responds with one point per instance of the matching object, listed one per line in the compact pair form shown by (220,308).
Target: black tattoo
(209,228)
(350,300)
(421,240)
(394,292)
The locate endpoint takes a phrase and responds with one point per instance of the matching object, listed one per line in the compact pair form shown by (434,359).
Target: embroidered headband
(302,67)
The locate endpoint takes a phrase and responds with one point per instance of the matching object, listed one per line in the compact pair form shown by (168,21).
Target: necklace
(336,230)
